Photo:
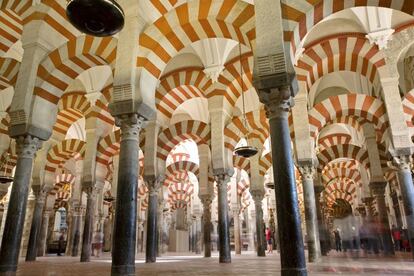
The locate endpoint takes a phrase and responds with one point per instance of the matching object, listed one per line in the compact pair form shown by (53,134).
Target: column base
(294,272)
(123,270)
(8,270)
(225,260)
(150,260)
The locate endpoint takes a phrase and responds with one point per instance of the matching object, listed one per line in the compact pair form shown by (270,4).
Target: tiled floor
(246,264)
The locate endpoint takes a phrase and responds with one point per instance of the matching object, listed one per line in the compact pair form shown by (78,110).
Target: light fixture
(247,150)
(4,177)
(96,17)
(109,198)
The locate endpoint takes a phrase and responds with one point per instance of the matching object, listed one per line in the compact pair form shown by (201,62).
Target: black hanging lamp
(4,177)
(96,17)
(246,151)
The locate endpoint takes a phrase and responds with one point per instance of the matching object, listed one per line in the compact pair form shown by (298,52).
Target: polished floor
(246,264)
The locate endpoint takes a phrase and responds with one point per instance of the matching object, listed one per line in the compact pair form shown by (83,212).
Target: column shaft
(88,227)
(312,229)
(206,200)
(41,242)
(35,227)
(124,238)
(237,237)
(10,247)
(152,231)
(224,234)
(260,232)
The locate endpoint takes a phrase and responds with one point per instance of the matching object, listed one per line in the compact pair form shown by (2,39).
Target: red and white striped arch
(265,163)
(8,72)
(342,53)
(11,160)
(180,192)
(348,151)
(243,186)
(343,188)
(4,125)
(241,163)
(362,106)
(300,16)
(333,139)
(186,166)
(190,22)
(408,107)
(258,128)
(66,63)
(62,152)
(334,173)
(173,135)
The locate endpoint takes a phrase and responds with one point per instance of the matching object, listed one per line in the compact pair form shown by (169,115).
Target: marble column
(223,219)
(36,225)
(152,231)
(197,235)
(323,235)
(76,227)
(378,190)
(160,225)
(278,102)
(89,223)
(206,200)
(312,229)
(26,148)
(42,241)
(124,233)
(237,234)
(405,180)
(260,231)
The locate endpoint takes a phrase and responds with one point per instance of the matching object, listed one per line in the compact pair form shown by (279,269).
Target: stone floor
(246,264)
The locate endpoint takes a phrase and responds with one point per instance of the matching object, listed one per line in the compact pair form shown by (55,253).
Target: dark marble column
(260,232)
(206,200)
(88,226)
(323,233)
(152,231)
(160,225)
(378,190)
(41,241)
(312,229)
(223,219)
(36,225)
(76,227)
(26,148)
(124,234)
(278,102)
(405,180)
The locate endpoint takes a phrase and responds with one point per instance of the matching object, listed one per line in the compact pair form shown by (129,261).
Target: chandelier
(96,17)
(247,150)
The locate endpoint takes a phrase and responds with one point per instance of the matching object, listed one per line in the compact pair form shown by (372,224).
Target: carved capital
(222,180)
(206,200)
(154,184)
(257,196)
(278,102)
(368,201)
(378,188)
(130,124)
(307,172)
(403,162)
(27,146)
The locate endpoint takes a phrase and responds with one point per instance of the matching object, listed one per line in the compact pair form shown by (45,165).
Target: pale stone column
(323,231)
(76,228)
(36,224)
(258,196)
(26,148)
(252,229)
(41,245)
(92,193)
(378,190)
(237,234)
(405,179)
(206,200)
(223,219)
(312,230)
(31,201)
(197,234)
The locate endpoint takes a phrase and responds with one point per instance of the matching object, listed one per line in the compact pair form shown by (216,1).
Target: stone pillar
(405,179)
(237,234)
(223,219)
(278,102)
(160,224)
(26,147)
(124,239)
(42,240)
(260,232)
(76,227)
(197,234)
(152,232)
(312,229)
(378,190)
(206,200)
(323,235)
(36,225)
(89,223)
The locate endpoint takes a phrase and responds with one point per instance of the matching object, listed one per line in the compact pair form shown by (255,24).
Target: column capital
(367,200)
(361,210)
(307,171)
(130,124)
(378,188)
(206,199)
(278,102)
(27,146)
(222,179)
(403,162)
(154,184)
(257,196)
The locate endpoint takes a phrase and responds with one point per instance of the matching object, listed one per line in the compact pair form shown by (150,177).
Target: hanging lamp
(248,150)
(4,177)
(96,17)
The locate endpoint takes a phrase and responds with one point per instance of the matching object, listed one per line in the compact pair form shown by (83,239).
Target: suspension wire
(242,92)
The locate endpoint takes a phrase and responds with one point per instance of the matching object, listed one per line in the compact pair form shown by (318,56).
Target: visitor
(97,244)
(61,244)
(269,240)
(396,235)
(338,245)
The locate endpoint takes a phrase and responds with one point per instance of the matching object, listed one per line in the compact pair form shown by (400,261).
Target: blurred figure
(269,240)
(97,244)
(396,235)
(338,245)
(61,243)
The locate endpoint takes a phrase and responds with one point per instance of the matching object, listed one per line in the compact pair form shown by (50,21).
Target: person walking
(269,240)
(61,244)
(338,245)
